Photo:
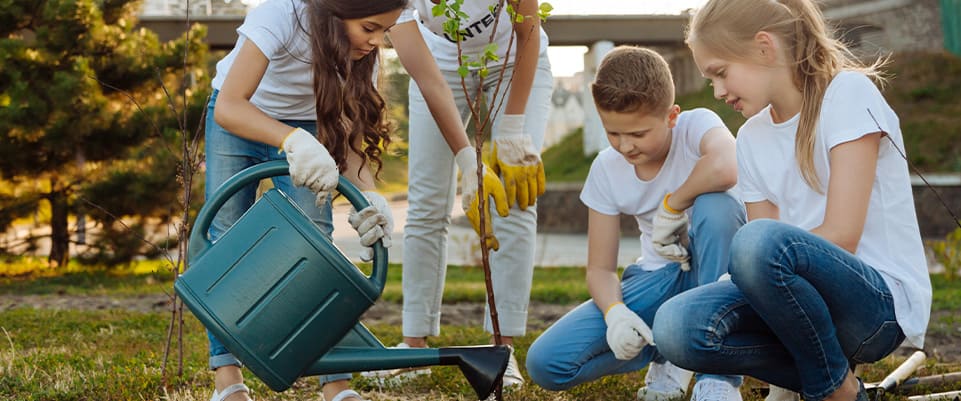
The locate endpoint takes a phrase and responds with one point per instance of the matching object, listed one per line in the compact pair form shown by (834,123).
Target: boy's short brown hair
(633,79)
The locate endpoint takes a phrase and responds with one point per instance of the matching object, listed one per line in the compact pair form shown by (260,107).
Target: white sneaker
(715,390)
(395,376)
(664,382)
(229,391)
(512,375)
(776,393)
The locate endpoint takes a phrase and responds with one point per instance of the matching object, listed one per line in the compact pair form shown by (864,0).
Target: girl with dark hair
(299,84)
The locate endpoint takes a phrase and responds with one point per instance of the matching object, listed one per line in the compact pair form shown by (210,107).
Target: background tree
(82,106)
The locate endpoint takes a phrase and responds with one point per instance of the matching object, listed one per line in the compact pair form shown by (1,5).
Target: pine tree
(85,103)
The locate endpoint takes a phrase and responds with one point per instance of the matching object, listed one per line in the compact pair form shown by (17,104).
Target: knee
(718,209)
(668,332)
(751,244)
(544,370)
(676,333)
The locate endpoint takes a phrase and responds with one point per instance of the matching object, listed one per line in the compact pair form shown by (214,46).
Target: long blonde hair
(727,27)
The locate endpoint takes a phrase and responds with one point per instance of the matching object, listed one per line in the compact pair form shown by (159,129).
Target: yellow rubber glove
(517,162)
(466,160)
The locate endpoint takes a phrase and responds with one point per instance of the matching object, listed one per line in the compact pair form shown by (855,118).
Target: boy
(671,171)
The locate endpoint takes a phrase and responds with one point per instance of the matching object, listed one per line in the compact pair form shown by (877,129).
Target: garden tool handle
(198,236)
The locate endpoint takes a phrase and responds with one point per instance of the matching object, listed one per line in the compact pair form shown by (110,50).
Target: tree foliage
(89,108)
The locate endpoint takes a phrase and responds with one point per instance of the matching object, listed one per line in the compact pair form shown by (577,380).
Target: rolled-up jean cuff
(324,379)
(512,323)
(419,324)
(217,361)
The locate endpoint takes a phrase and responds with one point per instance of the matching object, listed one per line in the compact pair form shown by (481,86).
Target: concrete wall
(887,25)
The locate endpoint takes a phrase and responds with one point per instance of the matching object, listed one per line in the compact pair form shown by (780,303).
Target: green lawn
(48,354)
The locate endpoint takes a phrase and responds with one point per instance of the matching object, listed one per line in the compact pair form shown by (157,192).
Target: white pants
(432,186)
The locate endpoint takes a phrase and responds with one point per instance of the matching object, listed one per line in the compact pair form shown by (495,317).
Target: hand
(310,164)
(466,160)
(517,162)
(669,236)
(627,333)
(373,223)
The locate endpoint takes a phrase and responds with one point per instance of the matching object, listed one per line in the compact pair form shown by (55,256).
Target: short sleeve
(852,107)
(747,184)
(597,192)
(270,26)
(407,15)
(701,121)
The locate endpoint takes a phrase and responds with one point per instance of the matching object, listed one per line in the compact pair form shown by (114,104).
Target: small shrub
(948,253)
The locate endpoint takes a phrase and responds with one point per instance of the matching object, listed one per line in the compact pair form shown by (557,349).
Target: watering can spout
(481,365)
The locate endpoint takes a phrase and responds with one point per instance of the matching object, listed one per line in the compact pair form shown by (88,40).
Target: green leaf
(463,70)
(483,72)
(518,19)
(544,11)
(438,10)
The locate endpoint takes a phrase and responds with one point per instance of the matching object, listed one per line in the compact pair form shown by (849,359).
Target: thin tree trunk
(59,233)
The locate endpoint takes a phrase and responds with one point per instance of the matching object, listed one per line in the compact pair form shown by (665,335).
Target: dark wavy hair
(350,111)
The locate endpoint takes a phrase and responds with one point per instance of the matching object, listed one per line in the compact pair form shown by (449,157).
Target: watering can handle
(198,235)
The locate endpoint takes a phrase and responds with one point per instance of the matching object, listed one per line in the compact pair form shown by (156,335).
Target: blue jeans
(228,154)
(574,350)
(798,313)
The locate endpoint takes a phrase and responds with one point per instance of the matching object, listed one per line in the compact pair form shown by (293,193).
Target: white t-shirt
(891,242)
(279,29)
(476,32)
(613,188)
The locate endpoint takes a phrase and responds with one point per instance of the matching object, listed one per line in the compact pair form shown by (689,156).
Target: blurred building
(870,27)
(197,7)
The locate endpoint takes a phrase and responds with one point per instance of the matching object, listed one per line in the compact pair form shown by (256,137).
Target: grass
(48,354)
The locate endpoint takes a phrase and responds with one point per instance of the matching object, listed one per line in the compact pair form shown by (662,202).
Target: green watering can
(286,302)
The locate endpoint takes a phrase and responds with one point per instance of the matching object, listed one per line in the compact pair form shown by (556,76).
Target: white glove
(627,333)
(372,223)
(517,162)
(310,164)
(466,160)
(669,236)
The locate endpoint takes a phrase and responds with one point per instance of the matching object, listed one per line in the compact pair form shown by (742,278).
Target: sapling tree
(482,113)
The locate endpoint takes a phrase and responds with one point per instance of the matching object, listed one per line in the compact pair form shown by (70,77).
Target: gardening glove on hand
(466,160)
(669,236)
(517,162)
(372,223)
(310,164)
(627,333)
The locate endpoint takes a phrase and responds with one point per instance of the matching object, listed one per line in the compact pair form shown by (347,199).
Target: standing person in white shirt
(438,149)
(830,271)
(673,172)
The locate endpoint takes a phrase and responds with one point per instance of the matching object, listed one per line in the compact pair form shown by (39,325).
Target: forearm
(419,63)
(604,287)
(440,102)
(710,174)
(836,237)
(358,172)
(527,42)
(245,120)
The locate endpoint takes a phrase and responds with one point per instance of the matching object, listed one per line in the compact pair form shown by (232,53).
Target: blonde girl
(830,270)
